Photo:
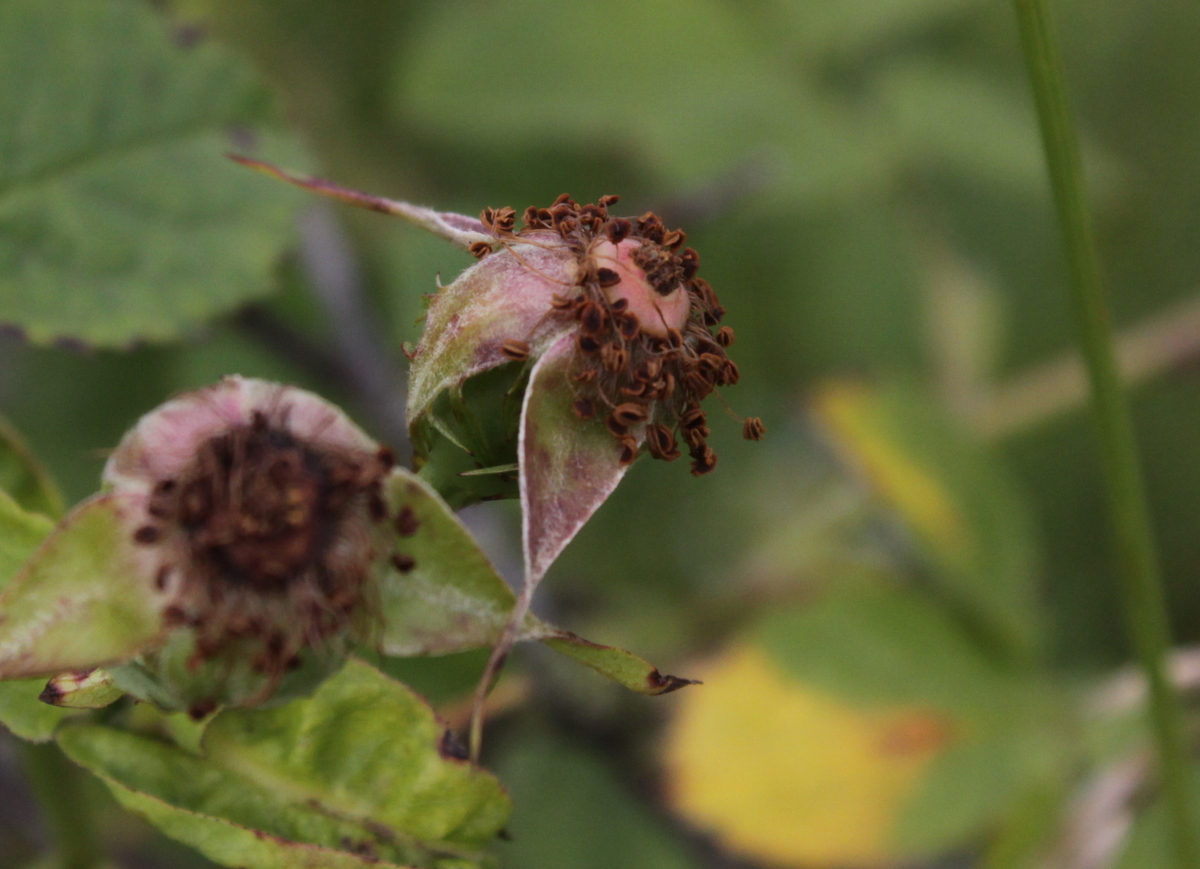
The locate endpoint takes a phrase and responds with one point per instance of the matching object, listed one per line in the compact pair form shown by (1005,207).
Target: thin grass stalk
(1143,598)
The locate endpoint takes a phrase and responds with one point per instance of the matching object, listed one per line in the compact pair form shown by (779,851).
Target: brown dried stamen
(270,539)
(651,376)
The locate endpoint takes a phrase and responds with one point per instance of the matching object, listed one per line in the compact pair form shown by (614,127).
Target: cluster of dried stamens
(654,371)
(266,538)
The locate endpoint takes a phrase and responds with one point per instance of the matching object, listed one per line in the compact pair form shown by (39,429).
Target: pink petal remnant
(656,313)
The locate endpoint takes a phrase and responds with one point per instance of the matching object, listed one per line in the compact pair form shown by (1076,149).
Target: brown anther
(711,363)
(586,343)
(693,416)
(591,318)
(696,437)
(660,440)
(584,408)
(614,357)
(504,219)
(618,229)
(651,227)
(730,374)
(161,577)
(607,277)
(698,383)
(753,429)
(689,263)
(674,338)
(587,375)
(531,219)
(563,199)
(619,305)
(648,370)
(609,199)
(561,303)
(631,413)
(725,336)
(627,325)
(146,535)
(615,425)
(406,522)
(403,563)
(674,238)
(515,349)
(629,450)
(638,390)
(480,249)
(703,461)
(668,386)
(713,317)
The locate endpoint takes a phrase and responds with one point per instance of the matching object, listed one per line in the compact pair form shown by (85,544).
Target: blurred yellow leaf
(852,412)
(790,776)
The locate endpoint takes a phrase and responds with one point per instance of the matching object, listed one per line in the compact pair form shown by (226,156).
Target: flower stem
(1144,600)
(57,785)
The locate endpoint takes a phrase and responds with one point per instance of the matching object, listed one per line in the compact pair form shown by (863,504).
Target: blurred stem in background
(58,786)
(1142,585)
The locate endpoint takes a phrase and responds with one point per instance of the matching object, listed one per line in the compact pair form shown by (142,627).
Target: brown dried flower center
(260,509)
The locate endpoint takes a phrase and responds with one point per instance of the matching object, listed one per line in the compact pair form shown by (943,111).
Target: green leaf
(961,510)
(25,715)
(624,668)
(120,219)
(24,478)
(571,811)
(701,95)
(449,597)
(350,775)
(82,600)
(886,645)
(20,534)
(20,710)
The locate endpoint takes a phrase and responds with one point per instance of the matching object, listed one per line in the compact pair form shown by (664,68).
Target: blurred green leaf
(20,534)
(83,600)
(835,29)
(572,812)
(119,217)
(350,777)
(887,646)
(24,478)
(20,710)
(698,95)
(960,508)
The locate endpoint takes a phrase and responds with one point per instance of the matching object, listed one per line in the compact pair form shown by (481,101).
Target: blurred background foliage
(902,603)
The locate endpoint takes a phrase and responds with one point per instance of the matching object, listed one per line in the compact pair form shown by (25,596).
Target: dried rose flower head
(644,352)
(546,367)
(255,508)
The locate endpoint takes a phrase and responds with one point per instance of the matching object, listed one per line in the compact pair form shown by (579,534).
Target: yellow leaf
(788,775)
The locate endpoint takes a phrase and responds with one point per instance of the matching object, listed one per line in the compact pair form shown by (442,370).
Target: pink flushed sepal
(568,466)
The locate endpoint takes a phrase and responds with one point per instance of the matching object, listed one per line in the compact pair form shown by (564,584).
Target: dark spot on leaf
(406,522)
